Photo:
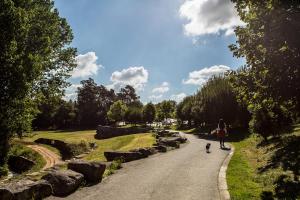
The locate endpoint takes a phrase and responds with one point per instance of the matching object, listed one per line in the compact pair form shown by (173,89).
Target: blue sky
(165,48)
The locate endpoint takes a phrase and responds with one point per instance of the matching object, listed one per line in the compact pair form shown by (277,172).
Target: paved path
(50,157)
(188,173)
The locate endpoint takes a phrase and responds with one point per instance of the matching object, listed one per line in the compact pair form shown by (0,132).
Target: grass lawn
(265,170)
(125,143)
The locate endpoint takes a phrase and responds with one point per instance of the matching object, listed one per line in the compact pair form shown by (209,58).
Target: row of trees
(95,104)
(215,100)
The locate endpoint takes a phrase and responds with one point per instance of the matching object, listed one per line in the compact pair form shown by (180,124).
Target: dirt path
(188,173)
(50,157)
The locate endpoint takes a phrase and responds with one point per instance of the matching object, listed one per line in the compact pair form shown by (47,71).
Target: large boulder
(19,164)
(161,148)
(92,171)
(169,141)
(63,182)
(28,190)
(104,132)
(147,151)
(125,156)
(6,194)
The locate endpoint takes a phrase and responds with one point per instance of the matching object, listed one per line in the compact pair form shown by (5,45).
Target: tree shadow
(287,157)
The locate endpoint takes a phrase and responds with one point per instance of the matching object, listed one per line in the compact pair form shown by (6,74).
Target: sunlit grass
(123,143)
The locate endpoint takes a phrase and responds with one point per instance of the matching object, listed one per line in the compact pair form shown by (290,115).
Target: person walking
(221,132)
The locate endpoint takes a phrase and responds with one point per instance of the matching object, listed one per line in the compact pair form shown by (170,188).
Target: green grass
(265,170)
(123,143)
(21,150)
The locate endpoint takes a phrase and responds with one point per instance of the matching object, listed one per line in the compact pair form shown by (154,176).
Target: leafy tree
(270,81)
(87,104)
(93,103)
(34,56)
(184,110)
(117,111)
(165,109)
(128,95)
(149,112)
(65,117)
(134,115)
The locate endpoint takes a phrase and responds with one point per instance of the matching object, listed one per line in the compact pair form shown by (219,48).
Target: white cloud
(70,92)
(86,65)
(201,76)
(209,17)
(155,97)
(137,77)
(163,88)
(178,97)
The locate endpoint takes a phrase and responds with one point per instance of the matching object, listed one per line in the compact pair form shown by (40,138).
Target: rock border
(222,183)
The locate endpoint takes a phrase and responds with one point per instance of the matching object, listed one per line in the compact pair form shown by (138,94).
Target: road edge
(222,183)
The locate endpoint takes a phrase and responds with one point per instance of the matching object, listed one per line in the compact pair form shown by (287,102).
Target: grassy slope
(265,170)
(21,150)
(117,143)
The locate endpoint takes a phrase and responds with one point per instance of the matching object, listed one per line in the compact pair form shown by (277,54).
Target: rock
(147,151)
(104,132)
(161,148)
(92,171)
(126,156)
(28,190)
(19,164)
(172,142)
(6,194)
(63,182)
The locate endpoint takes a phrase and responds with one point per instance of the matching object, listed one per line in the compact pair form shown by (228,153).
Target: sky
(165,49)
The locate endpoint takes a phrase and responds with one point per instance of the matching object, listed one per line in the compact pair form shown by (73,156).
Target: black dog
(207,147)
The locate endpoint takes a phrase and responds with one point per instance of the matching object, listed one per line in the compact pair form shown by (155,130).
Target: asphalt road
(188,173)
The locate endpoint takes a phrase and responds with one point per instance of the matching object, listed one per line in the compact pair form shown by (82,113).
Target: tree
(87,104)
(117,111)
(65,117)
(270,81)
(134,115)
(184,110)
(149,112)
(34,56)
(128,95)
(165,109)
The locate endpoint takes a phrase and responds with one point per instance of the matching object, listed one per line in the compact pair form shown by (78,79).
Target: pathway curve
(50,157)
(188,173)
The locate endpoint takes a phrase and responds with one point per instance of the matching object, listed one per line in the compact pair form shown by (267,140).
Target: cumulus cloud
(178,97)
(201,76)
(86,65)
(163,88)
(209,17)
(155,97)
(70,92)
(137,77)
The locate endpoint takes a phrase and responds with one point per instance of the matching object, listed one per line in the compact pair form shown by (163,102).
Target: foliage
(128,95)
(270,81)
(34,58)
(134,115)
(216,99)
(93,102)
(117,111)
(165,109)
(149,112)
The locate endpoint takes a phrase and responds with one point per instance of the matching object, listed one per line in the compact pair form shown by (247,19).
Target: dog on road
(207,147)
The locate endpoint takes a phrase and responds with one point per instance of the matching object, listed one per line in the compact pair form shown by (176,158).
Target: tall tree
(117,111)
(149,112)
(33,56)
(128,95)
(270,82)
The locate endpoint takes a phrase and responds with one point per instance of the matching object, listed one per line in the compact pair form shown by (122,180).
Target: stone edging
(222,183)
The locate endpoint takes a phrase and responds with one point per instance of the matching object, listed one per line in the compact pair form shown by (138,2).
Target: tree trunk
(4,147)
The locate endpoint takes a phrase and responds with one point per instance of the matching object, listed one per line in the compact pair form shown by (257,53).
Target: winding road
(188,173)
(50,157)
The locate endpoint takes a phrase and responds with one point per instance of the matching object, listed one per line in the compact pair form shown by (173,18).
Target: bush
(3,171)
(77,149)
